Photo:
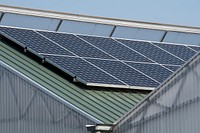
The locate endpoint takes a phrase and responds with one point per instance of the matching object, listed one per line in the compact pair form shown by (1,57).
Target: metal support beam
(164,36)
(179,92)
(59,24)
(15,96)
(28,106)
(139,128)
(113,30)
(1,17)
(47,107)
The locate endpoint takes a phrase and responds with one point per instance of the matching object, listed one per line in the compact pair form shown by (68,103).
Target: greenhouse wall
(26,107)
(173,108)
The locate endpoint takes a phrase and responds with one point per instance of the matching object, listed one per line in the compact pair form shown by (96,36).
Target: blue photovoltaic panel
(173,68)
(155,71)
(83,70)
(76,45)
(152,52)
(106,69)
(124,73)
(195,48)
(115,49)
(181,51)
(33,41)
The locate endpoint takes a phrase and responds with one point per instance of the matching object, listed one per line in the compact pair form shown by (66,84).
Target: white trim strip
(121,86)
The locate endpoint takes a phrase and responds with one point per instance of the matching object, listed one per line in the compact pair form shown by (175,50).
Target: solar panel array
(102,61)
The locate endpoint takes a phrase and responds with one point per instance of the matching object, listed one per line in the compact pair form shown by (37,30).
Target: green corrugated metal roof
(106,106)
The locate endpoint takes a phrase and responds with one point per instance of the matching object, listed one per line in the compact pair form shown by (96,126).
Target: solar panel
(180,51)
(152,52)
(124,73)
(104,61)
(76,45)
(173,68)
(155,71)
(196,48)
(115,49)
(33,41)
(83,70)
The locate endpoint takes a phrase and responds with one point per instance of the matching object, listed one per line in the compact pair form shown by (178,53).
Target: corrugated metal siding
(33,22)
(138,33)
(173,109)
(26,107)
(85,28)
(106,106)
(185,38)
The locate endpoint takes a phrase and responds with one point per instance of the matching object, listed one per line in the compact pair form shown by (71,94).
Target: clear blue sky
(180,12)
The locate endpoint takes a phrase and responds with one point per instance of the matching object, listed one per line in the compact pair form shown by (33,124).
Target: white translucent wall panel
(32,22)
(85,28)
(185,38)
(174,109)
(138,33)
(27,108)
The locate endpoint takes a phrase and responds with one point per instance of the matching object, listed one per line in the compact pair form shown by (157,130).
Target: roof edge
(95,19)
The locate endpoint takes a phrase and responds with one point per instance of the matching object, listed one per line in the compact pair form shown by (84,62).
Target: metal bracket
(25,49)
(43,60)
(74,79)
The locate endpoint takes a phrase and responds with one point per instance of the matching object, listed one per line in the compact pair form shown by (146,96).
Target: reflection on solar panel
(98,61)
(180,51)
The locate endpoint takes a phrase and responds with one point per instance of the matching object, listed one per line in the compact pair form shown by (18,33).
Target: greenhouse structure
(70,73)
